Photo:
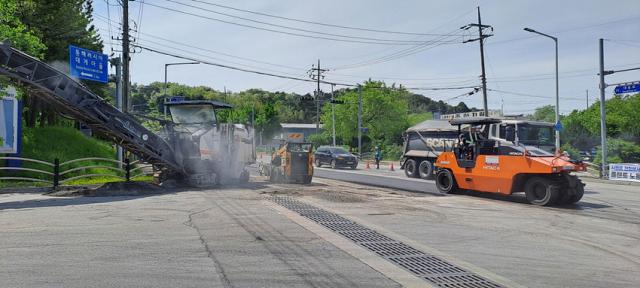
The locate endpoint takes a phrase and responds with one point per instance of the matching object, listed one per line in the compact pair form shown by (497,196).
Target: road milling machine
(478,162)
(193,148)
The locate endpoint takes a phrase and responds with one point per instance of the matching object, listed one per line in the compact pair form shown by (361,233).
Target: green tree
(545,113)
(58,24)
(384,113)
(13,29)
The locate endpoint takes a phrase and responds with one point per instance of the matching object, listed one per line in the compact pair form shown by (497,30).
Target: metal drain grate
(425,266)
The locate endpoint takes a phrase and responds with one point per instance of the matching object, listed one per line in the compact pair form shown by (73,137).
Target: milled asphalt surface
(209,238)
(233,237)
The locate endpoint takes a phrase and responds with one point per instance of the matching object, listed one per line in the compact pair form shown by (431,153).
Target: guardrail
(57,174)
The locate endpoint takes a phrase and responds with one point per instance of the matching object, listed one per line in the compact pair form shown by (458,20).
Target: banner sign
(624,172)
(9,121)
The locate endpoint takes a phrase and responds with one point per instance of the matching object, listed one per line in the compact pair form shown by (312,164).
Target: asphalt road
(380,179)
(236,237)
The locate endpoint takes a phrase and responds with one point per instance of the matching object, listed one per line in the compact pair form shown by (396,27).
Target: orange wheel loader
(477,162)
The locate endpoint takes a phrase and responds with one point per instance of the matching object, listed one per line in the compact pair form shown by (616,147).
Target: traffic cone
(391,168)
(367,167)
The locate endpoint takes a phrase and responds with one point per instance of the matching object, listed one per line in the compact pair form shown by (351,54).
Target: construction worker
(378,157)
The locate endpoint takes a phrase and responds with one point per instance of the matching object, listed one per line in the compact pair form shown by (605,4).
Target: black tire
(445,182)
(578,192)
(244,177)
(541,191)
(333,164)
(318,163)
(425,170)
(354,167)
(411,168)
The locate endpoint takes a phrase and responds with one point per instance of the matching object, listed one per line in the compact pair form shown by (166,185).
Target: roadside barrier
(57,174)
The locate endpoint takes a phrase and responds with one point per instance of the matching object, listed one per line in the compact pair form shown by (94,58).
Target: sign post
(88,65)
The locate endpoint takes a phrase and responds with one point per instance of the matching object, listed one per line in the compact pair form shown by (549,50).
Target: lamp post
(165,80)
(557,86)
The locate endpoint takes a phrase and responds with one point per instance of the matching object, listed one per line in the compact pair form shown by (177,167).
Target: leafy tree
(384,113)
(58,24)
(13,29)
(545,113)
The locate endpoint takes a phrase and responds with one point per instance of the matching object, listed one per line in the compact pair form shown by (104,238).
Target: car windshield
(192,114)
(338,151)
(535,135)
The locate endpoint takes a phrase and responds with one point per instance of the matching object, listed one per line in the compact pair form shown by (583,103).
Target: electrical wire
(317,23)
(532,95)
(280,31)
(215,52)
(291,28)
(233,67)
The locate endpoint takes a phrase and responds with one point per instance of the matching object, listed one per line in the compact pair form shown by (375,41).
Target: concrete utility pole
(117,62)
(587,98)
(603,124)
(555,40)
(125,56)
(359,120)
(481,37)
(316,74)
(333,116)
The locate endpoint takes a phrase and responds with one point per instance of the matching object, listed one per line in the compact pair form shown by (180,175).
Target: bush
(573,152)
(320,139)
(391,152)
(619,151)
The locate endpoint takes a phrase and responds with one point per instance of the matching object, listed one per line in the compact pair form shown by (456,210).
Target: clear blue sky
(516,61)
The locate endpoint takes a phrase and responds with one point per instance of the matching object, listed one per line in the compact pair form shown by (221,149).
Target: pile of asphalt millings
(112,189)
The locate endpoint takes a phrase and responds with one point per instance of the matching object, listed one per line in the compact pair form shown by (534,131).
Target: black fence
(58,174)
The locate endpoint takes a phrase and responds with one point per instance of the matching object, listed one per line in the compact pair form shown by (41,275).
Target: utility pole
(333,115)
(587,98)
(603,124)
(316,74)
(481,37)
(117,63)
(359,120)
(125,56)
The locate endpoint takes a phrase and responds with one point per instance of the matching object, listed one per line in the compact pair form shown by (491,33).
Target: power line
(351,40)
(396,55)
(290,27)
(317,23)
(531,95)
(212,51)
(232,67)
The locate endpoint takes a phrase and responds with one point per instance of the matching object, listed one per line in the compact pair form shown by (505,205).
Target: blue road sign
(558,126)
(174,99)
(365,129)
(629,88)
(88,65)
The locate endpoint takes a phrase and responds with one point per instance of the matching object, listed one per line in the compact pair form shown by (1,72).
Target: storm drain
(425,266)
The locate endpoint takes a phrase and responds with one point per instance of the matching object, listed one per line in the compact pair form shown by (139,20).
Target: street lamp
(165,80)
(557,85)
